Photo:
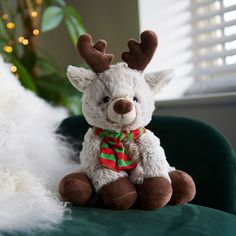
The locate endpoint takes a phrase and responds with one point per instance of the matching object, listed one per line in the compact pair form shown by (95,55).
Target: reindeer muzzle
(122,111)
(122,106)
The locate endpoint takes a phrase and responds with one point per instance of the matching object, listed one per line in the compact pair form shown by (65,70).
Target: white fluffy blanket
(32,158)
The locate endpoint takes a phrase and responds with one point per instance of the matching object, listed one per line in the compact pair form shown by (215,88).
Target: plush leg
(183,186)
(154,193)
(76,188)
(119,195)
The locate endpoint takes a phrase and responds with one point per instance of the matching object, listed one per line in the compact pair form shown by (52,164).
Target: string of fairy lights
(34,13)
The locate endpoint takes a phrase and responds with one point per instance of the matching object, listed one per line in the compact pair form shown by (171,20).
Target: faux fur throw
(112,153)
(33,158)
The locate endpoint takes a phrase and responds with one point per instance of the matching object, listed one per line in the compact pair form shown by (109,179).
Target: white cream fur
(32,158)
(120,82)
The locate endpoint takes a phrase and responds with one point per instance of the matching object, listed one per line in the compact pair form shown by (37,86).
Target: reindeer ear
(80,78)
(158,80)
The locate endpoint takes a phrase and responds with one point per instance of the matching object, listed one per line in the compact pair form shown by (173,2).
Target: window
(197,39)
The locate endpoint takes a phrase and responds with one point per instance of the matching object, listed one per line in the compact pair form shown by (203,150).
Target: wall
(218,111)
(115,21)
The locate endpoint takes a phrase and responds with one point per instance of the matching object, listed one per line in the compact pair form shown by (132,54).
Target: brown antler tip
(83,42)
(94,55)
(84,38)
(149,33)
(140,54)
(150,36)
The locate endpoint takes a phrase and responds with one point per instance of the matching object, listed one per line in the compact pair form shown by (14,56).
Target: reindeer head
(117,97)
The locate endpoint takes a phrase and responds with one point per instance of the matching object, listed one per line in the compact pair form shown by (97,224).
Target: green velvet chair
(189,145)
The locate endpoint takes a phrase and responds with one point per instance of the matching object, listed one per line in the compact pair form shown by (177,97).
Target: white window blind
(197,39)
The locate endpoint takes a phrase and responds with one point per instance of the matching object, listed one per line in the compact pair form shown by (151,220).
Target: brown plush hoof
(76,188)
(119,195)
(183,186)
(154,193)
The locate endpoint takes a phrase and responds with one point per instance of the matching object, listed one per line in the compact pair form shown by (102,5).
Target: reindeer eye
(135,99)
(106,99)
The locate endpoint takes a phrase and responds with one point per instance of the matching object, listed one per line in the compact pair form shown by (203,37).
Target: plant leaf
(58,90)
(51,18)
(60,2)
(73,103)
(54,83)
(73,24)
(25,77)
(3,43)
(47,67)
(3,32)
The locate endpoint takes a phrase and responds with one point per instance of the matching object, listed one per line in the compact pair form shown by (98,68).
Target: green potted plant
(19,45)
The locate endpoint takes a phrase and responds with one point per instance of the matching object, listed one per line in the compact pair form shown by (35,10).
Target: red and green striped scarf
(112,152)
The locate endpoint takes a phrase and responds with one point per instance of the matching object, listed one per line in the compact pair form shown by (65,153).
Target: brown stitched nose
(122,106)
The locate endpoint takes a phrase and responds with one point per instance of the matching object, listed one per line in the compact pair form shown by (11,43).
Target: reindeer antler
(94,56)
(140,54)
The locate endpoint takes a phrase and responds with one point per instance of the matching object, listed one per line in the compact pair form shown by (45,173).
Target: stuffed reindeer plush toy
(121,159)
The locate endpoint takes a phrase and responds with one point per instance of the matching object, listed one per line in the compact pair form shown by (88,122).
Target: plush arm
(90,165)
(153,160)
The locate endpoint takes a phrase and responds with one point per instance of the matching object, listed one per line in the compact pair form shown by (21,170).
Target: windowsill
(206,99)
(224,85)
